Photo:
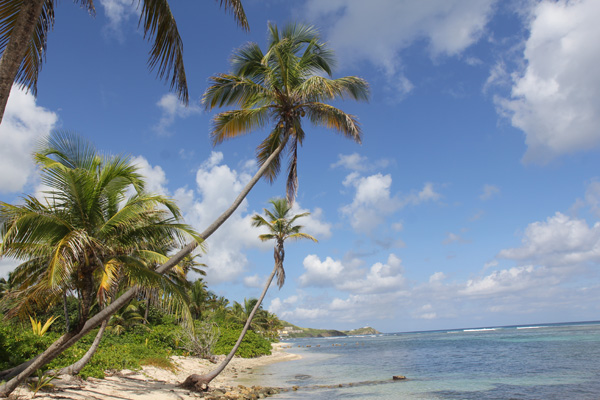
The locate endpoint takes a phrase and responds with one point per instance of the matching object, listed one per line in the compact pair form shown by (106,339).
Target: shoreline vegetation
(154,383)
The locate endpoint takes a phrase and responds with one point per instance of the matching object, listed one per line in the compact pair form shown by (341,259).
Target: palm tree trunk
(66,311)
(67,340)
(17,47)
(75,368)
(200,382)
(146,311)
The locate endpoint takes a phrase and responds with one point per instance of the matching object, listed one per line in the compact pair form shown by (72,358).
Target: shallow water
(557,361)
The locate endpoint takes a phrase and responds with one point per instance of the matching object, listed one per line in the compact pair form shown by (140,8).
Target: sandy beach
(154,383)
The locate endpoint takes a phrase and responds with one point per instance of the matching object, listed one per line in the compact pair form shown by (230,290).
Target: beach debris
(398,377)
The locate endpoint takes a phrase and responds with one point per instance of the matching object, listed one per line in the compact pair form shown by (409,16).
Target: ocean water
(553,361)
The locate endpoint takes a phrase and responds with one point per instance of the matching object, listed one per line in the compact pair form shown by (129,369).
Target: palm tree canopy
(88,233)
(156,20)
(280,226)
(289,81)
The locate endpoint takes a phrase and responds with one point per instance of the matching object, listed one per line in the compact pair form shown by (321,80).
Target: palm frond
(318,89)
(28,73)
(322,114)
(234,123)
(236,8)
(166,54)
(227,90)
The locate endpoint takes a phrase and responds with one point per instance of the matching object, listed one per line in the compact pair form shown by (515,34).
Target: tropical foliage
(87,234)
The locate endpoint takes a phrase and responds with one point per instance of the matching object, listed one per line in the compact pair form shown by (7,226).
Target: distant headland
(293,331)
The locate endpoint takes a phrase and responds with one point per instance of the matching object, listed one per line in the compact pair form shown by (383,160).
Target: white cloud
(560,241)
(217,185)
(254,281)
(379,30)
(379,278)
(155,177)
(118,12)
(511,280)
(23,124)
(556,99)
(7,265)
(489,191)
(373,201)
(171,108)
(353,161)
(313,224)
(437,277)
(320,273)
(356,162)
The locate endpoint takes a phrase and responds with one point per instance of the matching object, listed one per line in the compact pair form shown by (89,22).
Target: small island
(292,331)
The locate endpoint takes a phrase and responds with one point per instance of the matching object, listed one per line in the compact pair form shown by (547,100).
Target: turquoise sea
(546,361)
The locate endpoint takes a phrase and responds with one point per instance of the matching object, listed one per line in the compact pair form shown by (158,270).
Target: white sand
(154,383)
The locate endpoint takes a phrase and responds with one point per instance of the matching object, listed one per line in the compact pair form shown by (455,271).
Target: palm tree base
(196,383)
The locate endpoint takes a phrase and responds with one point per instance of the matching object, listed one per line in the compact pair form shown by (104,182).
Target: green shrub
(253,345)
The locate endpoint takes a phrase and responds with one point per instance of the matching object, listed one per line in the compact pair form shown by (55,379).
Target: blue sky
(474,199)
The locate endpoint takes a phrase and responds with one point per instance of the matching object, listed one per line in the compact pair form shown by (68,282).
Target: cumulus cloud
(560,241)
(155,177)
(171,108)
(373,201)
(379,278)
(313,224)
(378,31)
(555,101)
(320,273)
(23,124)
(504,281)
(217,185)
(254,281)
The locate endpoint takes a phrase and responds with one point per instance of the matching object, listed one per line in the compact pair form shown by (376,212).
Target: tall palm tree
(289,71)
(280,87)
(24,27)
(280,226)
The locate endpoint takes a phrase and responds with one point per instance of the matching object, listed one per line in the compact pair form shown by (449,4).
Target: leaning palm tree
(280,86)
(24,27)
(280,226)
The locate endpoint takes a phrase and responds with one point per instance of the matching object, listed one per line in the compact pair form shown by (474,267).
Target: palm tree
(86,235)
(272,324)
(263,95)
(199,298)
(3,287)
(280,87)
(280,225)
(24,27)
(240,314)
(82,230)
